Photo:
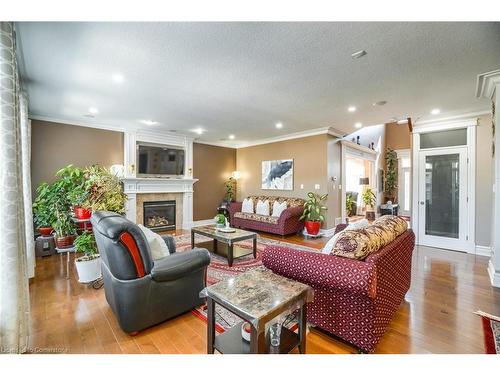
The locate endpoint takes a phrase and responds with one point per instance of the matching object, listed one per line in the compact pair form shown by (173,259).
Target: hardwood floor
(437,316)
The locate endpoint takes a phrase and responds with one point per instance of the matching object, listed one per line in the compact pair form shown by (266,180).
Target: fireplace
(159,215)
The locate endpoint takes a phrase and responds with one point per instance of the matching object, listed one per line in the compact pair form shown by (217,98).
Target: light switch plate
(316,187)
(302,186)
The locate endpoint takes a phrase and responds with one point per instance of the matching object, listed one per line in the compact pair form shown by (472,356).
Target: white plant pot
(88,270)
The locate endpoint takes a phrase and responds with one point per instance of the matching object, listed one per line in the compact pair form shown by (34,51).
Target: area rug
(219,270)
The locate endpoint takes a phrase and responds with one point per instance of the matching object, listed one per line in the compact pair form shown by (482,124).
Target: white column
(187,214)
(488,86)
(129,153)
(131,207)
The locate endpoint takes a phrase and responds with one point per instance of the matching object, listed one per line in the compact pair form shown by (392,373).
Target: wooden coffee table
(257,296)
(227,238)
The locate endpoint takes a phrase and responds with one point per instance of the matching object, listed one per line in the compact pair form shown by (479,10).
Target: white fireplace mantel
(133,186)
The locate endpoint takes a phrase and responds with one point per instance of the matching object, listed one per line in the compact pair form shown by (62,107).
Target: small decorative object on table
(220,221)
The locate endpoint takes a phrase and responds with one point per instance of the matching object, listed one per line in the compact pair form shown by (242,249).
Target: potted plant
(391,178)
(74,183)
(220,221)
(64,227)
(88,266)
(43,208)
(229,186)
(369,199)
(105,191)
(349,205)
(313,212)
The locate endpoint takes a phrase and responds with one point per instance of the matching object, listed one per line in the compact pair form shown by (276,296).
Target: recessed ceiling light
(379,103)
(435,111)
(359,54)
(231,136)
(149,122)
(118,78)
(279,125)
(351,108)
(358,125)
(93,110)
(198,131)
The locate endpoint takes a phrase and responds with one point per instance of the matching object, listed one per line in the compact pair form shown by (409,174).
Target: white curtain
(14,291)
(25,124)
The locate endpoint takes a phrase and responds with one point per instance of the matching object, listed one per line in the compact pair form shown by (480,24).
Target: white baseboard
(483,250)
(199,223)
(494,275)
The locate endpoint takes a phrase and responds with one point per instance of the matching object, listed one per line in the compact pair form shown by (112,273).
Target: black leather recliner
(140,291)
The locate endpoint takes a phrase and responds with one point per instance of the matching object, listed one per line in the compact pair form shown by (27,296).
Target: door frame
(460,243)
(362,152)
(430,127)
(404,153)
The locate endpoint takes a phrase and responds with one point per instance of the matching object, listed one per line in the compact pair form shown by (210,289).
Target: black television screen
(160,161)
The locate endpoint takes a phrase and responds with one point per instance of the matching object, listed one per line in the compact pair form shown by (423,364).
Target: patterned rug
(219,270)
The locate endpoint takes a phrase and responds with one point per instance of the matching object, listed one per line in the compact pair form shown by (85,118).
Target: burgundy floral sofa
(353,299)
(287,223)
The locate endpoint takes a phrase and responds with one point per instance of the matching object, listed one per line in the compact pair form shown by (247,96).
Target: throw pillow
(262,208)
(278,208)
(159,248)
(247,206)
(361,224)
(353,244)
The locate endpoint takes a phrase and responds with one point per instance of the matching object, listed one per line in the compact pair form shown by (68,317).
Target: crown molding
(302,134)
(87,124)
(451,119)
(94,125)
(486,84)
(215,143)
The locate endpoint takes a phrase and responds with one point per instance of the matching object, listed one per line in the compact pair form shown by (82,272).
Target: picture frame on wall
(277,174)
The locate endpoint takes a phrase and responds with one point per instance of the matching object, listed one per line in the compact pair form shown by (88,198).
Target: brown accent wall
(55,145)
(397,137)
(316,161)
(212,165)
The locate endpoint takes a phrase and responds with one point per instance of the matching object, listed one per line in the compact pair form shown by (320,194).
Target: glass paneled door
(443,198)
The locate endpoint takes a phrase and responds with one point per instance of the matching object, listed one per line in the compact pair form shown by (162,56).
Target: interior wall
(312,157)
(484,181)
(397,137)
(55,145)
(310,164)
(213,166)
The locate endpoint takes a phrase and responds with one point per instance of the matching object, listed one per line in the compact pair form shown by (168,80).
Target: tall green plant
(44,214)
(229,186)
(369,198)
(105,191)
(391,178)
(349,204)
(314,207)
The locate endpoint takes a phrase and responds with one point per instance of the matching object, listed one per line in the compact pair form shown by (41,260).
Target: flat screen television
(159,161)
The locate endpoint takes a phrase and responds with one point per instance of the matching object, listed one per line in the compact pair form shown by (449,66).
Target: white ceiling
(242,78)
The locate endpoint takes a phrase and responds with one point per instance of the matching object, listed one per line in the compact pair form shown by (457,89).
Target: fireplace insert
(159,215)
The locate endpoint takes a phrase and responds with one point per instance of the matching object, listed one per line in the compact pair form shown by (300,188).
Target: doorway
(443,204)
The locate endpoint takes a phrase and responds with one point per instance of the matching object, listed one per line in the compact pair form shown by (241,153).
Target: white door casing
(460,243)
